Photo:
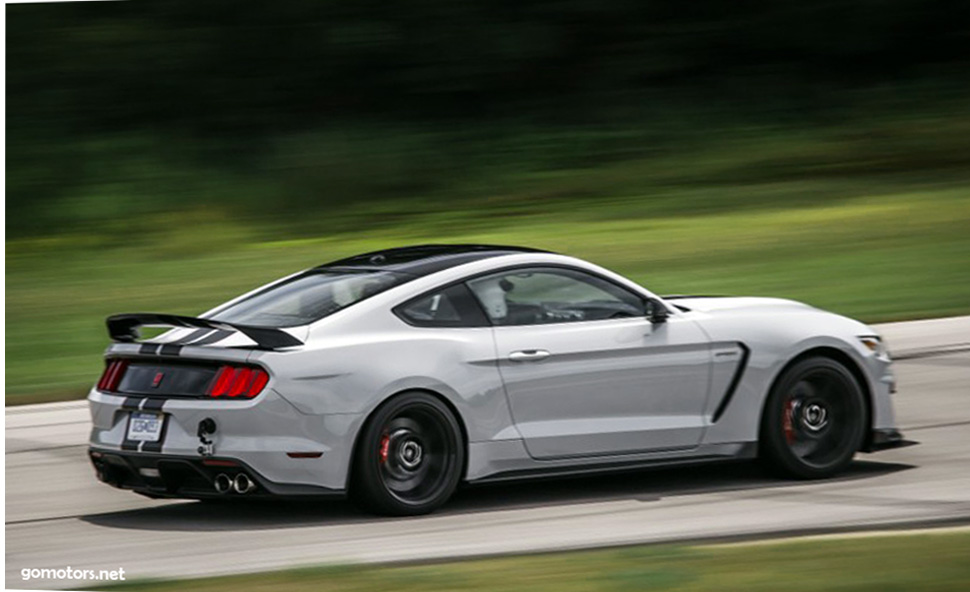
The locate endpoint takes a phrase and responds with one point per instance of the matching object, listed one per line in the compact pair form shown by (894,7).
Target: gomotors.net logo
(68,573)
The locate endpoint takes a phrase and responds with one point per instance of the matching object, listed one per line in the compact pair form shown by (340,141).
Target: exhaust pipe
(243,484)
(222,483)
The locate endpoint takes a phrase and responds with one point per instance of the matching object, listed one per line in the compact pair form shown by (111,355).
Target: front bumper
(170,476)
(885,439)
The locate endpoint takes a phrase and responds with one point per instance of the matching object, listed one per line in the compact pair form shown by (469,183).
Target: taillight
(111,377)
(238,381)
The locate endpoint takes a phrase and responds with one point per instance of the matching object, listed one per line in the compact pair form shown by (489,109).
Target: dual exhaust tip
(241,484)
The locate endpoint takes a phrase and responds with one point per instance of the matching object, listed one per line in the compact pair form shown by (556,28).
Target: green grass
(925,562)
(870,220)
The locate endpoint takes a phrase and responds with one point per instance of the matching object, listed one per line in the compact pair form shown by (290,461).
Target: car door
(586,372)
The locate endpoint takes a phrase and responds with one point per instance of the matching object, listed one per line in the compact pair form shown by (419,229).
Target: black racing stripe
(191,337)
(131,403)
(173,320)
(217,335)
(169,349)
(153,405)
(148,349)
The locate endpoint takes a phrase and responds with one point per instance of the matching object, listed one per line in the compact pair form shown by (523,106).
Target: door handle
(529,355)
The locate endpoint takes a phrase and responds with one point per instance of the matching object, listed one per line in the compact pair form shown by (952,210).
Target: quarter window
(308,297)
(533,296)
(451,307)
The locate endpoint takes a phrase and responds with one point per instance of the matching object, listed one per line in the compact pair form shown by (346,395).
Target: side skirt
(748,450)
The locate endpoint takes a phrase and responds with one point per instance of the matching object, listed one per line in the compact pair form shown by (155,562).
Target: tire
(814,420)
(409,458)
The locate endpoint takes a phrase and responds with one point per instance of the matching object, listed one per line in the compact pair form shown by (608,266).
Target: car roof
(420,260)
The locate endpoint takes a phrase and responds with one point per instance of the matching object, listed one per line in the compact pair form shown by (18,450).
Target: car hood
(715,304)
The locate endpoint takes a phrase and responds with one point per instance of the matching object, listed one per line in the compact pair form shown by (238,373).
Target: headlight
(874,344)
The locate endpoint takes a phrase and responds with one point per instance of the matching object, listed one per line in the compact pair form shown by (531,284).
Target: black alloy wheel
(814,420)
(410,456)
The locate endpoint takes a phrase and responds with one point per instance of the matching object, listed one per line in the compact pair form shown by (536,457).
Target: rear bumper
(266,435)
(171,476)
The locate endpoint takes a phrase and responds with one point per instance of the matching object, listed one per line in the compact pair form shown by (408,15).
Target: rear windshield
(308,297)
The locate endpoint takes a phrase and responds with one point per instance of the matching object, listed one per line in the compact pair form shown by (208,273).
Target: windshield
(308,297)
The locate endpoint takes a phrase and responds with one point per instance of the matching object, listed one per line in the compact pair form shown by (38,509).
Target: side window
(450,307)
(531,296)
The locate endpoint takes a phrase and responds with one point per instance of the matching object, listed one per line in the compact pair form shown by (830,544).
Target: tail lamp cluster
(238,381)
(244,382)
(111,377)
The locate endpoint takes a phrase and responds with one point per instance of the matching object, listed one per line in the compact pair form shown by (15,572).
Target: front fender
(774,341)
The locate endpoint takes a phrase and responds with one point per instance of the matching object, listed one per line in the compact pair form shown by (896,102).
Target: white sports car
(394,376)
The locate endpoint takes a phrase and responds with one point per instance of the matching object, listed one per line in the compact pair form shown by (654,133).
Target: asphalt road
(58,515)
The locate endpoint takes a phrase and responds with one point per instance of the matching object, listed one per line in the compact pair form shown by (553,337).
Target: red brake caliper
(385,442)
(786,421)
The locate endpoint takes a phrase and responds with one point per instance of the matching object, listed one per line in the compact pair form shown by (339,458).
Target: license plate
(144,427)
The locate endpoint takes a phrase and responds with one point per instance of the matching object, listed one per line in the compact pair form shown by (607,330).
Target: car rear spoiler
(123,328)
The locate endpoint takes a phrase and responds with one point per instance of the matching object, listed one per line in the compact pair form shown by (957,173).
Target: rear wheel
(814,420)
(409,458)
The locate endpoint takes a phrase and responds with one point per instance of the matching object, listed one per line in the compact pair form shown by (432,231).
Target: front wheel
(814,420)
(410,457)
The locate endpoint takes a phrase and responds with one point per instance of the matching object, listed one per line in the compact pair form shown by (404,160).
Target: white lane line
(45,448)
(860,534)
(935,425)
(932,352)
(45,425)
(42,407)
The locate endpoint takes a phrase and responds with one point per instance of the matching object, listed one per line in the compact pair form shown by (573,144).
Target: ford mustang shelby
(398,374)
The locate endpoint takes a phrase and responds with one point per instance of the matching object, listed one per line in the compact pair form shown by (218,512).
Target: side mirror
(656,312)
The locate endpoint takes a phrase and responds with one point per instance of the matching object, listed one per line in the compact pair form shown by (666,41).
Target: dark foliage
(226,76)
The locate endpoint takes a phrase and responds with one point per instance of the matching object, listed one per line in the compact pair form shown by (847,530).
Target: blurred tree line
(106,100)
